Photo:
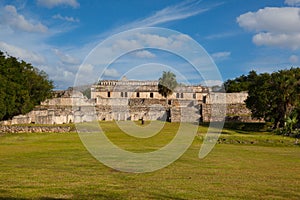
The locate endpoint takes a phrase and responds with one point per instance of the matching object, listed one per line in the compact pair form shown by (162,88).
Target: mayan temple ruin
(134,100)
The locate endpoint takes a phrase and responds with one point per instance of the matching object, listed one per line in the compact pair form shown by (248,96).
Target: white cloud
(171,13)
(293,59)
(125,44)
(175,12)
(55,3)
(154,40)
(66,58)
(66,18)
(21,53)
(271,19)
(274,26)
(285,40)
(170,42)
(61,65)
(62,77)
(292,2)
(145,54)
(220,35)
(113,73)
(221,55)
(210,83)
(13,19)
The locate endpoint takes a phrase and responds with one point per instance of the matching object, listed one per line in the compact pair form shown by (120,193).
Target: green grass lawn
(244,165)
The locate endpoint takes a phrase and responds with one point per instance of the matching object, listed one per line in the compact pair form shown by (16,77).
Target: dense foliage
(21,87)
(274,97)
(167,83)
(241,83)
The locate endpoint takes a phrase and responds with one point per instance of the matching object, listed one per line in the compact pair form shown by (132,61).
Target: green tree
(241,83)
(291,122)
(272,97)
(275,96)
(21,87)
(167,83)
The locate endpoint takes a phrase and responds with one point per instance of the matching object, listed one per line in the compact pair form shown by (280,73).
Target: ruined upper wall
(228,98)
(143,89)
(67,98)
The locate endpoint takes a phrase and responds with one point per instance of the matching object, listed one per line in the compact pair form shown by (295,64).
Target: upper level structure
(125,88)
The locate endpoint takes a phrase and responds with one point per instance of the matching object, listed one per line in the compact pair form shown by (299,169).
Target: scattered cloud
(21,53)
(14,20)
(271,19)
(221,55)
(175,12)
(210,83)
(65,18)
(113,73)
(220,35)
(62,65)
(292,2)
(122,44)
(55,3)
(273,26)
(66,58)
(170,42)
(291,41)
(293,59)
(62,77)
(145,54)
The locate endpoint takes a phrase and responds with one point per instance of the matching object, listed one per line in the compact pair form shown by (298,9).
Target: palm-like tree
(167,83)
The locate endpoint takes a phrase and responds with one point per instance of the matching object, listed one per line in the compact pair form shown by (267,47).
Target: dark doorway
(168,112)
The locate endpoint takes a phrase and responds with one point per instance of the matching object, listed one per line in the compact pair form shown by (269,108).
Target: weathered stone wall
(142,89)
(34,129)
(72,106)
(186,111)
(131,109)
(228,98)
(216,104)
(234,112)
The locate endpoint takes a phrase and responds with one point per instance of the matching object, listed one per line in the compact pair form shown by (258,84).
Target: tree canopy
(167,83)
(241,83)
(22,87)
(273,97)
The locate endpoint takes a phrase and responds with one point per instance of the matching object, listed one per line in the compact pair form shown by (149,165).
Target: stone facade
(134,100)
(232,103)
(114,89)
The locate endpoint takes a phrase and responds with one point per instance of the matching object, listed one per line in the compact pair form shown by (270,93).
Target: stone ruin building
(135,100)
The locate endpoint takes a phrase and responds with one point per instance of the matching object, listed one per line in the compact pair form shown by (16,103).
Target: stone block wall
(186,111)
(234,112)
(60,110)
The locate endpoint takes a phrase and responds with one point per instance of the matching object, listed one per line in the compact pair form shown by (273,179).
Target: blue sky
(58,36)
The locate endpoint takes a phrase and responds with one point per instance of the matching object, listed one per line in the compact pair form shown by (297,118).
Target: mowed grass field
(244,165)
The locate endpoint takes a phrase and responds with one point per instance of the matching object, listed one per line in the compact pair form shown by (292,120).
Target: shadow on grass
(241,127)
(165,196)
(103,195)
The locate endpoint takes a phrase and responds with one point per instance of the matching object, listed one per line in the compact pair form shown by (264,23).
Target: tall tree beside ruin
(167,83)
(275,96)
(241,83)
(272,97)
(22,87)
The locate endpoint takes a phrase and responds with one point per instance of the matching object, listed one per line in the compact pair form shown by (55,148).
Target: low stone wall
(186,111)
(34,129)
(60,110)
(234,112)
